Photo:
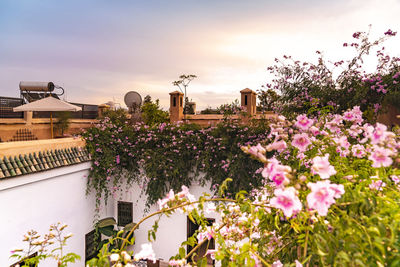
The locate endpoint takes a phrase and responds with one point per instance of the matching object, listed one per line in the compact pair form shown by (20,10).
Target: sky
(98,50)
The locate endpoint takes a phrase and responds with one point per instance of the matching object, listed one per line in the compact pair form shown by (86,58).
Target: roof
(21,164)
(48,104)
(247,90)
(176,93)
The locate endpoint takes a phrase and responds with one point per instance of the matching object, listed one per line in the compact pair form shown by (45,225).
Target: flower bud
(114,257)
(126,257)
(303,178)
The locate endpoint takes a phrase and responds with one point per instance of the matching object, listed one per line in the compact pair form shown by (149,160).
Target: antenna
(133,101)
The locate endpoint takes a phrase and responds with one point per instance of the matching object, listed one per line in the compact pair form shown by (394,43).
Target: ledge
(41,160)
(47,120)
(12,121)
(9,183)
(25,147)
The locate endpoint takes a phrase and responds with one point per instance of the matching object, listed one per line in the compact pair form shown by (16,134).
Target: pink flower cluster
(183,195)
(276,172)
(323,195)
(322,167)
(286,200)
(303,122)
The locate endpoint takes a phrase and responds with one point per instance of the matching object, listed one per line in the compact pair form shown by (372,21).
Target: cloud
(100,50)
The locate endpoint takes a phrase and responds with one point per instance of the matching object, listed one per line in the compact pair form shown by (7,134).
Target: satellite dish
(133,101)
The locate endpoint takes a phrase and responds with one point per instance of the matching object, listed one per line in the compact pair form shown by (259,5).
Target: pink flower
(276,172)
(257,151)
(314,131)
(377,185)
(287,201)
(162,203)
(303,123)
(257,262)
(146,253)
(279,146)
(338,189)
(381,157)
(184,192)
(358,151)
(211,252)
(298,264)
(379,134)
(181,262)
(210,208)
(342,141)
(207,234)
(323,195)
(348,116)
(395,178)
(277,263)
(270,167)
(322,167)
(280,179)
(301,141)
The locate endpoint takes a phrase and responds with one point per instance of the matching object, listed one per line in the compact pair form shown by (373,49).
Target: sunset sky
(98,50)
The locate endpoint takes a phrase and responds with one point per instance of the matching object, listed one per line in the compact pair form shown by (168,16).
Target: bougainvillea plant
(306,87)
(330,197)
(168,156)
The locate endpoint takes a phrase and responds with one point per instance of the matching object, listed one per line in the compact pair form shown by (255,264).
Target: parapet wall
(37,129)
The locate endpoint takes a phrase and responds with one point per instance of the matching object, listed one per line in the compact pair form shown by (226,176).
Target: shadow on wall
(391,117)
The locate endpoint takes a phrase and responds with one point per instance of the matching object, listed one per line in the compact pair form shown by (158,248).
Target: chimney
(176,107)
(248,101)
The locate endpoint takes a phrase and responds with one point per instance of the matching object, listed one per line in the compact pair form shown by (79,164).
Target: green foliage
(228,110)
(48,246)
(152,114)
(63,121)
(267,99)
(312,85)
(108,227)
(118,116)
(209,110)
(168,156)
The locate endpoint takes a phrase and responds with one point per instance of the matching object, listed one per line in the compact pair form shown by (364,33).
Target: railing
(87,112)
(6,107)
(8,103)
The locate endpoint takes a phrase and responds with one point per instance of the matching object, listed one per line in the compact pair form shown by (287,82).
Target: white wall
(36,201)
(172,230)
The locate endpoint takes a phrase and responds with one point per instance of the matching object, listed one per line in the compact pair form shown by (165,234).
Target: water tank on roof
(36,86)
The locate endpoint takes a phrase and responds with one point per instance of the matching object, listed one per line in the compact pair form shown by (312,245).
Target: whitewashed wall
(36,201)
(172,230)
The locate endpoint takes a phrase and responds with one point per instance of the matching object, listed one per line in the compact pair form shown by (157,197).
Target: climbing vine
(168,156)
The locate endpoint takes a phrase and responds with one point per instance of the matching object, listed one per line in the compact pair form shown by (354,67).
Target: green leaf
(182,252)
(106,222)
(108,230)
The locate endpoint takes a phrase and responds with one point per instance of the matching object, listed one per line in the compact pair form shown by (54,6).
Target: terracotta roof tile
(40,161)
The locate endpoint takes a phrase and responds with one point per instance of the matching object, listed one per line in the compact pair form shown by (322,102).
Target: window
(124,213)
(191,229)
(181,100)
(92,240)
(245,100)
(174,101)
(22,262)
